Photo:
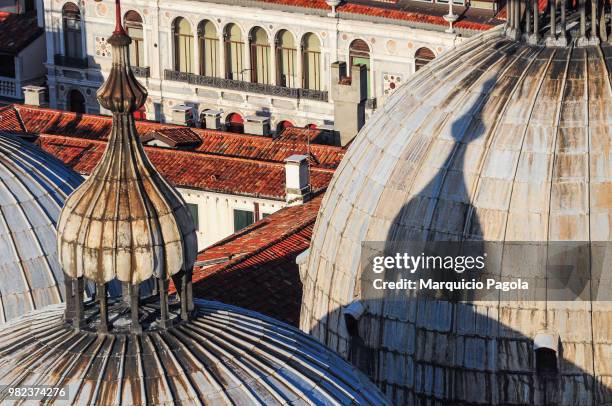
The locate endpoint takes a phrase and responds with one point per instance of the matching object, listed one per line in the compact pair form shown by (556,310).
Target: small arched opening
(422,57)
(234,123)
(76,101)
(359,54)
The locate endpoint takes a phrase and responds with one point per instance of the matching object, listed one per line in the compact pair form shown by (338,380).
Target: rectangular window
(137,46)
(73,43)
(287,58)
(242,219)
(7,66)
(184,51)
(234,53)
(193,209)
(312,70)
(209,57)
(260,64)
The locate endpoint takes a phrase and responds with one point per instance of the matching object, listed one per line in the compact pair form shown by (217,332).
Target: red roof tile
(406,10)
(88,126)
(268,149)
(93,127)
(299,134)
(239,176)
(17,31)
(262,274)
(9,120)
(175,136)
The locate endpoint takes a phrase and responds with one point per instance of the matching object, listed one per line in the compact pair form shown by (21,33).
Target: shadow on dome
(457,350)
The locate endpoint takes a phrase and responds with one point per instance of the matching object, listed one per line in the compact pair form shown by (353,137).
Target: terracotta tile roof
(9,120)
(406,10)
(17,31)
(175,136)
(88,126)
(94,127)
(232,175)
(268,149)
(262,274)
(299,134)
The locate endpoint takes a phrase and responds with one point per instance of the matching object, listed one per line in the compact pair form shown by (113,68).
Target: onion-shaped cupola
(125,222)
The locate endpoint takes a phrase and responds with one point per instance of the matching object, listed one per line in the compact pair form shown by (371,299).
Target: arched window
(311,62)
(260,56)
(133,25)
(286,54)
(359,54)
(209,48)
(183,45)
(422,57)
(234,123)
(76,101)
(71,17)
(234,52)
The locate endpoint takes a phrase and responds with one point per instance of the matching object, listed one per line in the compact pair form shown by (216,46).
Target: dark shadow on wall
(441,350)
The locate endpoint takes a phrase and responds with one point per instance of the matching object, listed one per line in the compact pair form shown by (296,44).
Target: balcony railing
(7,87)
(141,71)
(68,61)
(242,86)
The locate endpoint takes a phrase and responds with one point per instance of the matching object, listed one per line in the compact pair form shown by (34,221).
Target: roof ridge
(239,258)
(261,162)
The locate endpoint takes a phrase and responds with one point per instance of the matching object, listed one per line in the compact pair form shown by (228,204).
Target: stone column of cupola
(527,11)
(125,222)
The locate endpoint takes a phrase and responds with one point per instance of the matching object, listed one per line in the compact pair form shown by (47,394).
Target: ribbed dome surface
(223,356)
(500,141)
(33,187)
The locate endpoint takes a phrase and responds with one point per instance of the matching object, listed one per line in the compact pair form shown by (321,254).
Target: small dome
(33,187)
(224,355)
(498,140)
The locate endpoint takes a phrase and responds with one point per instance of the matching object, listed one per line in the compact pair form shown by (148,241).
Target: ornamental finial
(125,222)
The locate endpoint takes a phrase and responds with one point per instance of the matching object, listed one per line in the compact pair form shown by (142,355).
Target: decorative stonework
(391,46)
(391,81)
(101,9)
(103,48)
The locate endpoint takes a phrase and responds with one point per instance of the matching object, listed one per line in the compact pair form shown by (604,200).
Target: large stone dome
(498,140)
(223,356)
(33,187)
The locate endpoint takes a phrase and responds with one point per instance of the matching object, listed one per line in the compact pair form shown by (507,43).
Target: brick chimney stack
(349,94)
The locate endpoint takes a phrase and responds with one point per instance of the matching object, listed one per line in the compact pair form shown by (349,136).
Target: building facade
(243,59)
(22,50)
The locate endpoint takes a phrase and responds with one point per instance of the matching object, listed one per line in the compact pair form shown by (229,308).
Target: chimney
(349,94)
(212,119)
(297,179)
(182,115)
(257,125)
(34,95)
